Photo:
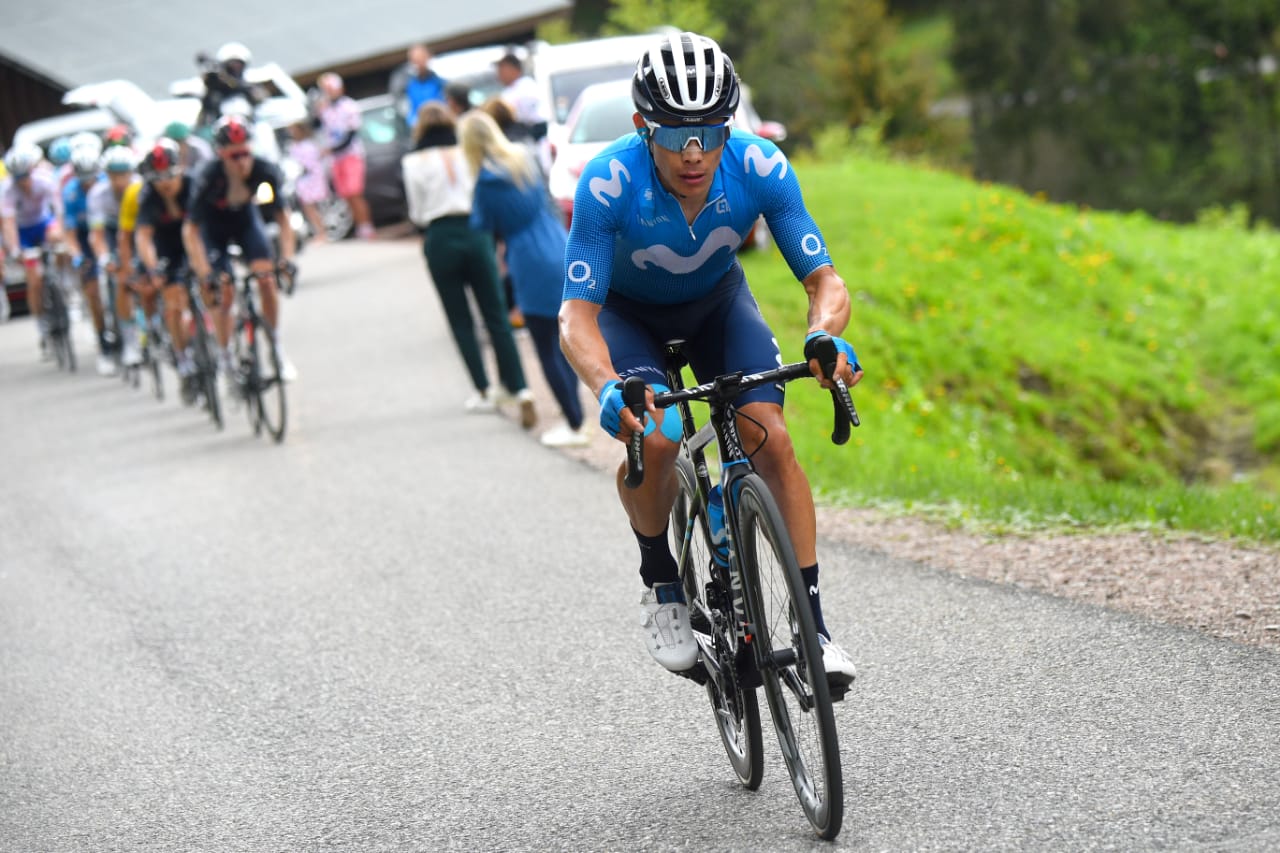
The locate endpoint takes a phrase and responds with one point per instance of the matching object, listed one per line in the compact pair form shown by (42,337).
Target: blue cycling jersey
(75,202)
(630,235)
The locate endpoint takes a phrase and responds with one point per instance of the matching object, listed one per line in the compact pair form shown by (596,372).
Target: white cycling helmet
(87,141)
(118,159)
(685,79)
(84,160)
(23,159)
(233,51)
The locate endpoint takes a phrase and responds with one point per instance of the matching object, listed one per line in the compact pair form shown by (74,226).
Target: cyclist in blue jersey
(658,219)
(87,174)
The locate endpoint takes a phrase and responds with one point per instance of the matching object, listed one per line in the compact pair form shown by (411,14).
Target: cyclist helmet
(177,130)
(231,130)
(233,51)
(87,141)
(85,160)
(60,150)
(23,159)
(162,161)
(686,79)
(118,159)
(120,134)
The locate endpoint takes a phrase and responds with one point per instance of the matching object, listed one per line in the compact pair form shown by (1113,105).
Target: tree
(639,16)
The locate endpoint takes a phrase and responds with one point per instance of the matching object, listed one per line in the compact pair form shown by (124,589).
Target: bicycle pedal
(696,673)
(838,691)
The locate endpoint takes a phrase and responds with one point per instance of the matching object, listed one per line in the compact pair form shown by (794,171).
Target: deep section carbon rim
(787,641)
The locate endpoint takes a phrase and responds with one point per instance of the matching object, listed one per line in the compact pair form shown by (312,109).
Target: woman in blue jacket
(512,202)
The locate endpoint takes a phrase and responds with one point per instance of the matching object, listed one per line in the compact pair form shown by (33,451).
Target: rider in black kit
(229,197)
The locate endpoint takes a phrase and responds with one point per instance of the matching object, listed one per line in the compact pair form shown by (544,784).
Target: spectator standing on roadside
(439,186)
(312,186)
(340,122)
(457,97)
(512,202)
(414,84)
(531,109)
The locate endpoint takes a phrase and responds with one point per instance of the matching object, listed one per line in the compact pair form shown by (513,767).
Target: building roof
(70,43)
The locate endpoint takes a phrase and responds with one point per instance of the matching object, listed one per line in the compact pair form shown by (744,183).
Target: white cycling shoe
(840,671)
(667,633)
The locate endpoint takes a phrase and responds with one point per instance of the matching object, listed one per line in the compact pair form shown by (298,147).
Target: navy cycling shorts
(243,228)
(723,331)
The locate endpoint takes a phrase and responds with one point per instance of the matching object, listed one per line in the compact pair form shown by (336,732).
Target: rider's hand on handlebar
(847,366)
(615,418)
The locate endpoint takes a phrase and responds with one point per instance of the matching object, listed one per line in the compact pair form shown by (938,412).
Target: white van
(564,70)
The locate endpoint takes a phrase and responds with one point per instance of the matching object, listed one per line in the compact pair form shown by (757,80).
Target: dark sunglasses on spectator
(708,136)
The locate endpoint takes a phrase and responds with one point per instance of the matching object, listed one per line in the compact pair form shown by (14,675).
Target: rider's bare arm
(585,348)
(146,246)
(288,240)
(98,240)
(829,311)
(196,254)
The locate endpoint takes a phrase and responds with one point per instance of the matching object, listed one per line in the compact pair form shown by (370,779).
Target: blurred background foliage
(1167,106)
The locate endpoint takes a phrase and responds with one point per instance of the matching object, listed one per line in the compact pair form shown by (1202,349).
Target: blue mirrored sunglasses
(708,136)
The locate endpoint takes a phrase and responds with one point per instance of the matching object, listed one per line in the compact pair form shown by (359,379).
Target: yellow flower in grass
(953,454)
(1153,345)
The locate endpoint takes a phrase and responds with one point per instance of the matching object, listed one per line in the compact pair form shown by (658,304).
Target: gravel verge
(1221,588)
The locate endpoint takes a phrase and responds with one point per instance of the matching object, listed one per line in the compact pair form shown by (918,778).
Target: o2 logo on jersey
(754,160)
(604,189)
(811,245)
(579,272)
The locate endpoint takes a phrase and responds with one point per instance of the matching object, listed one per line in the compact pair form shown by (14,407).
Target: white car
(603,113)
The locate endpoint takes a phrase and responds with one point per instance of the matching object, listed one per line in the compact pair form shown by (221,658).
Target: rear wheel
(206,366)
(786,641)
(736,709)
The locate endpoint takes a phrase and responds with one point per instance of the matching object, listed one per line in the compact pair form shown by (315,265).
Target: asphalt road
(408,628)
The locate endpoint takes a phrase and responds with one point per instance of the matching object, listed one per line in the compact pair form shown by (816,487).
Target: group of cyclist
(137,221)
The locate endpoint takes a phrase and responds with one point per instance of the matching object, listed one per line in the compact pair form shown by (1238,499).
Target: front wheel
(790,658)
(736,709)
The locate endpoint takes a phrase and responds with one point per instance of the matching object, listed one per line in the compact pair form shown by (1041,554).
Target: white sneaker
(667,632)
(106,365)
(481,403)
(562,435)
(528,415)
(840,671)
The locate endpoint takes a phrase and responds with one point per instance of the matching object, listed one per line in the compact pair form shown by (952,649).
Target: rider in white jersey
(30,217)
(652,255)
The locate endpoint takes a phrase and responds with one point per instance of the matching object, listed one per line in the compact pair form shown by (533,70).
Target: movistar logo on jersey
(603,189)
(668,259)
(763,166)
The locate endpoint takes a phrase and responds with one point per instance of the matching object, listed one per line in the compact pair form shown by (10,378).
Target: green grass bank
(1032,364)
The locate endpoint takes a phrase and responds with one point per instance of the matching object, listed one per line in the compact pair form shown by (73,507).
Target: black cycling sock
(810,576)
(656,563)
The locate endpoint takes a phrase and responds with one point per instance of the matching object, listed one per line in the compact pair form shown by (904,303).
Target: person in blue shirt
(659,217)
(512,202)
(414,84)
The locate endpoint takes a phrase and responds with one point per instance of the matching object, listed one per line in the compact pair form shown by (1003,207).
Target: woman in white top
(439,186)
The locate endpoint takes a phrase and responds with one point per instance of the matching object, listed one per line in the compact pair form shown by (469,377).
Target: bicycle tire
(736,710)
(59,319)
(206,366)
(790,657)
(272,406)
(245,358)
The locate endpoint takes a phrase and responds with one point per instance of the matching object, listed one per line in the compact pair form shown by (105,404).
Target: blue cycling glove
(841,346)
(611,407)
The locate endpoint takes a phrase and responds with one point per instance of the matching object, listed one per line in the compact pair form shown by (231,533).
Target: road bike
(750,616)
(204,346)
(258,378)
(57,313)
(151,345)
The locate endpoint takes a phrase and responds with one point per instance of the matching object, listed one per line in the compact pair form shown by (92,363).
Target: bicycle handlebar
(724,388)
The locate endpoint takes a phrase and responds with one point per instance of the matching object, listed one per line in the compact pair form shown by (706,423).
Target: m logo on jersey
(663,256)
(603,189)
(763,166)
